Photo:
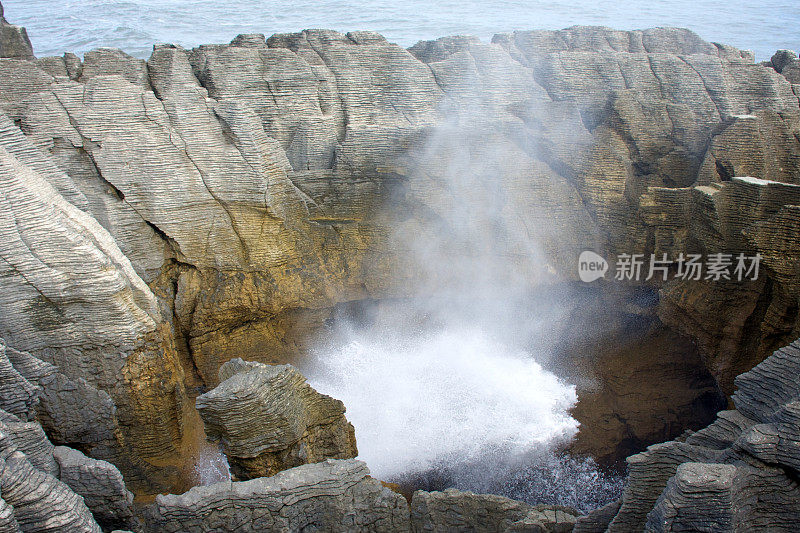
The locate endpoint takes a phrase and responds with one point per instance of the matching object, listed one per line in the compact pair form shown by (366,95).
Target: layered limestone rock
(738,474)
(14,42)
(41,502)
(246,189)
(741,216)
(453,511)
(18,396)
(100,484)
(725,497)
(274,155)
(269,419)
(72,299)
(29,439)
(31,495)
(331,496)
(71,411)
(52,487)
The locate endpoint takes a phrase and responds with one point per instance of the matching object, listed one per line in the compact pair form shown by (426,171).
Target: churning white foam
(422,401)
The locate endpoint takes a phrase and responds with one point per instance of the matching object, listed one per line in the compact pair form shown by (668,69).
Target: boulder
(598,519)
(792,73)
(269,419)
(648,473)
(781,58)
(697,498)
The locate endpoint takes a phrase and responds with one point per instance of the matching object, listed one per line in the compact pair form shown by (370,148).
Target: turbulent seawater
(134,25)
(440,400)
(452,396)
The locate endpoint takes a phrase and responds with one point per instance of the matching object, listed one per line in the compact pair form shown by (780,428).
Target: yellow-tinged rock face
(254,186)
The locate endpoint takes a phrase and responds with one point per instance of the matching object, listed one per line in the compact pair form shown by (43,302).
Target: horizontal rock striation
(43,487)
(247,183)
(738,474)
(339,496)
(452,511)
(72,299)
(162,217)
(331,496)
(269,419)
(100,484)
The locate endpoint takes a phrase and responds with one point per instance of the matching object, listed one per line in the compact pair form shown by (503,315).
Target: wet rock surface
(738,474)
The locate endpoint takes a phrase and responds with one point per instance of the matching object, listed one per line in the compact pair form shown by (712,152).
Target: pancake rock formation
(452,510)
(334,495)
(170,226)
(44,487)
(244,191)
(738,474)
(269,419)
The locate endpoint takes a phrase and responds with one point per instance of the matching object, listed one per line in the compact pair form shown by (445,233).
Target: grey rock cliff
(70,298)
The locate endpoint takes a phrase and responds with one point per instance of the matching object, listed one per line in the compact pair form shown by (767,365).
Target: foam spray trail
(454,385)
(423,401)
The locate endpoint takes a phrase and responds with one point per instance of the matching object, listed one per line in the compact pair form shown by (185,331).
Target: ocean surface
(134,25)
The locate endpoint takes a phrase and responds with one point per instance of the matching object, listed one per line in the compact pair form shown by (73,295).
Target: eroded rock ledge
(162,217)
(738,474)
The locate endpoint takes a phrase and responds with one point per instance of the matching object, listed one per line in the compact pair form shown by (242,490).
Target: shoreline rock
(14,41)
(161,218)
